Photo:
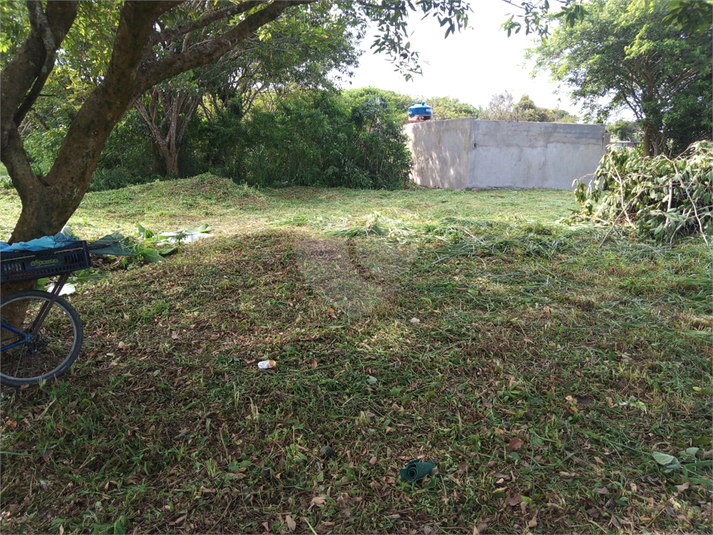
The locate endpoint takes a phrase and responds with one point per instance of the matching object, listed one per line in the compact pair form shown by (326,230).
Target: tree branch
(205,20)
(23,78)
(155,71)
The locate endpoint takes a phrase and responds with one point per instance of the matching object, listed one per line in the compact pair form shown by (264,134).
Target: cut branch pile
(660,197)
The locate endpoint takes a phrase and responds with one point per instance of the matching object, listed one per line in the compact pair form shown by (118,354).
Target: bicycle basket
(28,265)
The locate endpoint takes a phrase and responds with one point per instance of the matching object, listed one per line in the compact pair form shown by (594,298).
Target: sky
(471,66)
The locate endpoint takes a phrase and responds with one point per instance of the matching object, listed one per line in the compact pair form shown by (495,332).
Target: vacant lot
(546,368)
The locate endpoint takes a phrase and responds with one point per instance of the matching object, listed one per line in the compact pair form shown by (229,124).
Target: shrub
(662,198)
(128,157)
(311,139)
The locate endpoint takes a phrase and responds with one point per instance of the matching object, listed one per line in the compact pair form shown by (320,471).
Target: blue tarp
(38,244)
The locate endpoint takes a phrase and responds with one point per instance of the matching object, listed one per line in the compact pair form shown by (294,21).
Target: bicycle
(41,334)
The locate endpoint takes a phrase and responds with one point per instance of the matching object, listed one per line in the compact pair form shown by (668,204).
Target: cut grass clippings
(549,378)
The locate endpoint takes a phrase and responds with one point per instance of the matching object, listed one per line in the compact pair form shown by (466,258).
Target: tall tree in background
(502,107)
(622,55)
(299,51)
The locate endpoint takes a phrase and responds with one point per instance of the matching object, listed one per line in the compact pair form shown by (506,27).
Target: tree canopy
(502,107)
(621,55)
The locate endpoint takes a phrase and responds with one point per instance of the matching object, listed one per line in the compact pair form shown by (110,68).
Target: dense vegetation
(621,55)
(662,198)
(312,137)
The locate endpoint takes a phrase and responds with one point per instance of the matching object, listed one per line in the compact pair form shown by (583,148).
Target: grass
(539,369)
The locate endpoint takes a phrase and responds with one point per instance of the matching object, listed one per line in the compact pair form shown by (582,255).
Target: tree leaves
(620,55)
(662,198)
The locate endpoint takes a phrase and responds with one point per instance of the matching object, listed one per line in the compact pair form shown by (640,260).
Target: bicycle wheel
(45,354)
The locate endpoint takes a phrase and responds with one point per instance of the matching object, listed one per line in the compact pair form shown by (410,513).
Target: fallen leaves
(683,487)
(318,501)
(514,500)
(515,444)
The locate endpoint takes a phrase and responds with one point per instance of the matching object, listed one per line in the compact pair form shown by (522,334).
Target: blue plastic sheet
(38,244)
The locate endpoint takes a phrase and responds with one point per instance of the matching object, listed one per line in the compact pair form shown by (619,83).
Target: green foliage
(397,103)
(149,246)
(690,15)
(15,27)
(622,56)
(311,139)
(5,182)
(663,198)
(452,108)
(128,157)
(535,14)
(502,107)
(624,130)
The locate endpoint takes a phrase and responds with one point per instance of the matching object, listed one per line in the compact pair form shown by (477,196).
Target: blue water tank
(419,111)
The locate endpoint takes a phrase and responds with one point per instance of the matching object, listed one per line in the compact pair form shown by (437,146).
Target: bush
(128,157)
(662,198)
(311,139)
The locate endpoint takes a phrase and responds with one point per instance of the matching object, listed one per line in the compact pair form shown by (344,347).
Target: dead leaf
(314,363)
(178,520)
(533,522)
(206,490)
(317,500)
(512,501)
(291,524)
(61,529)
(601,490)
(598,460)
(515,444)
(681,488)
(373,460)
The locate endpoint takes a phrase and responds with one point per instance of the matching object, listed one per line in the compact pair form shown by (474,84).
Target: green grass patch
(547,374)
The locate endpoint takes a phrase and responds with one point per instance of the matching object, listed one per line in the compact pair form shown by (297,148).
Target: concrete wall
(467,153)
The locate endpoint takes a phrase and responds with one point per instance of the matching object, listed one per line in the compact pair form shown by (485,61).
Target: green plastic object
(416,470)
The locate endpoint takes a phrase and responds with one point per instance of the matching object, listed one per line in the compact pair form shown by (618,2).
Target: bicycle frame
(37,323)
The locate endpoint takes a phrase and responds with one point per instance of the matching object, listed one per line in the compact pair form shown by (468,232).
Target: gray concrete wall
(467,153)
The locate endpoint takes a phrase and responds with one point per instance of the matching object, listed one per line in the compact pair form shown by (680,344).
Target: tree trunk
(167,116)
(48,202)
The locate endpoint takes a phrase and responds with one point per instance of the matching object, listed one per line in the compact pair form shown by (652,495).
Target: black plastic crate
(27,265)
